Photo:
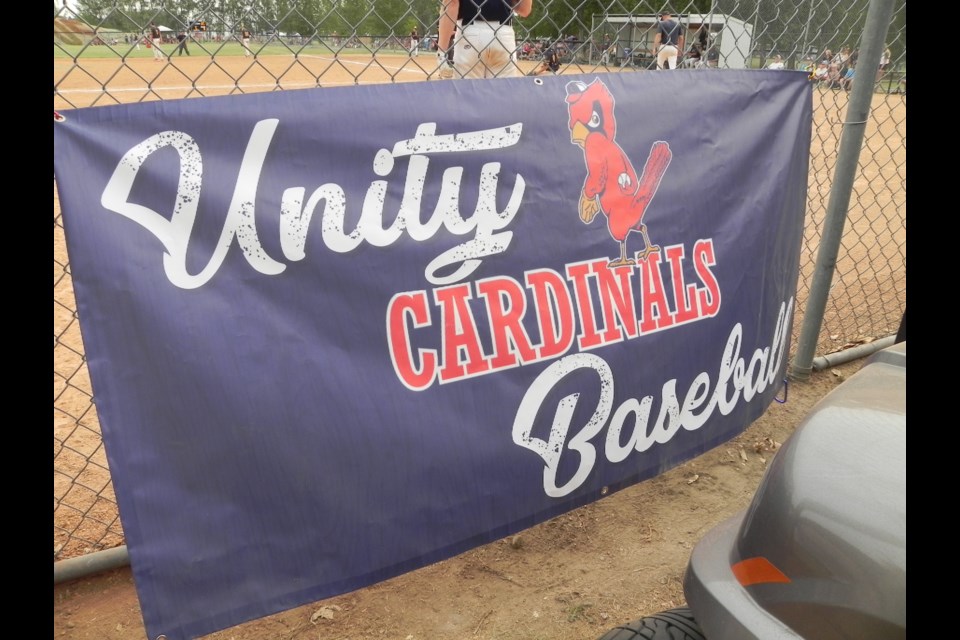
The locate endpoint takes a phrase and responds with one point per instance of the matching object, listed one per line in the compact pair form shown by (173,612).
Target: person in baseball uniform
(156,40)
(484,42)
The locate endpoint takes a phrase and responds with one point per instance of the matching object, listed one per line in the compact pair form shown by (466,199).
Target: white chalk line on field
(292,85)
(201,88)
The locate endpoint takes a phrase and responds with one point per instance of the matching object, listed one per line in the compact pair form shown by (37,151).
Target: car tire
(673,624)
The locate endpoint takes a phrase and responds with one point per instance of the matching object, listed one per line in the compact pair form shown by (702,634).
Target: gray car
(821,552)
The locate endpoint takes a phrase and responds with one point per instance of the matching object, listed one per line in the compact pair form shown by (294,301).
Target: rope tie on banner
(57,117)
(784,393)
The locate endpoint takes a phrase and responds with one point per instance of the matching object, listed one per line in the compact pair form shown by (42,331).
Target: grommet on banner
(538,81)
(604,491)
(57,117)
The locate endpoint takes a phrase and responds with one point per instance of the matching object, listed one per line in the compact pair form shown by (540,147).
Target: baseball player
(551,62)
(155,39)
(668,43)
(414,43)
(484,42)
(245,41)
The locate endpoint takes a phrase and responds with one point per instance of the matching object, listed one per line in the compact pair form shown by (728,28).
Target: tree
(101,13)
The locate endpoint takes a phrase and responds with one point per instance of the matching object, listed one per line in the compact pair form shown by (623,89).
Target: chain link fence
(103,55)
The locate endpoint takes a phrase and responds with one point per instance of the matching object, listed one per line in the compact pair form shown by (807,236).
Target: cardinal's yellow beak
(579,133)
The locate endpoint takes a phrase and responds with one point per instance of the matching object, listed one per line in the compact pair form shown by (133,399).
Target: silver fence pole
(97,562)
(879,14)
(806,31)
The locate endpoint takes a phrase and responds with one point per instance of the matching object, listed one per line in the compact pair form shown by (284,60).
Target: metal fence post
(879,14)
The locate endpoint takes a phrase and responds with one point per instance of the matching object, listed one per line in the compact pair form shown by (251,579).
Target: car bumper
(724,609)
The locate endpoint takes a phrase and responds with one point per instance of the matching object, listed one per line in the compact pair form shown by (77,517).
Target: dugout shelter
(730,38)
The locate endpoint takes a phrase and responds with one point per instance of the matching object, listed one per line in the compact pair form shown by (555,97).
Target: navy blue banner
(335,335)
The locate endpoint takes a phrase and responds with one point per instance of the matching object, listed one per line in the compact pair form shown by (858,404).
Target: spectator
(777,63)
(834,76)
(884,64)
(842,59)
(846,81)
(693,59)
(703,37)
(821,74)
(713,57)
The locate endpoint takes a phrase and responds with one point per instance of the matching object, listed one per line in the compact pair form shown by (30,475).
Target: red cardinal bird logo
(611,186)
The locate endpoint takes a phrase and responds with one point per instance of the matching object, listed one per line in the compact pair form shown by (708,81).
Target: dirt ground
(570,578)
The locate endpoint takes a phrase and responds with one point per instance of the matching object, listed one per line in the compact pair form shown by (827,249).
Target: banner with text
(335,335)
